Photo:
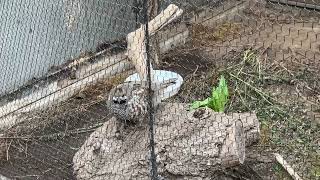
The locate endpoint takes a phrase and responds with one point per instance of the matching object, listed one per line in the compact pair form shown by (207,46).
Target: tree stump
(188,144)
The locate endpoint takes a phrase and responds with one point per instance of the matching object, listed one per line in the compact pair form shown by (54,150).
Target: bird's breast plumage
(128,103)
(119,111)
(137,105)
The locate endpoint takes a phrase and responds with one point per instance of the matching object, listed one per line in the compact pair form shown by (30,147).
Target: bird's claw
(160,177)
(96,146)
(118,135)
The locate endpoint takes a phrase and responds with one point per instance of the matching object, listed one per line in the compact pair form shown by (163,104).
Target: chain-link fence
(160,89)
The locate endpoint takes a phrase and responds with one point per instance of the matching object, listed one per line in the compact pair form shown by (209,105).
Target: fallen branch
(287,167)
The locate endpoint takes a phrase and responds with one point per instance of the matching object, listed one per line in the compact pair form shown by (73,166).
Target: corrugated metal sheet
(316,2)
(310,4)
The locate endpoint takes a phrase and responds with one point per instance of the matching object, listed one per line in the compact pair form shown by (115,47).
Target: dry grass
(203,35)
(286,126)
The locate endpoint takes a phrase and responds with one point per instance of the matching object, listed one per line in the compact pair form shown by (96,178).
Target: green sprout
(218,99)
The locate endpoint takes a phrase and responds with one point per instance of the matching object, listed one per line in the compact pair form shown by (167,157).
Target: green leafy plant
(218,99)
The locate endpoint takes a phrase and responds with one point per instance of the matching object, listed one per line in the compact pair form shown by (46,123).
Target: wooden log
(189,144)
(136,49)
(153,10)
(3,177)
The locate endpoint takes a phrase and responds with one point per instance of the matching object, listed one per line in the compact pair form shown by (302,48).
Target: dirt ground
(280,82)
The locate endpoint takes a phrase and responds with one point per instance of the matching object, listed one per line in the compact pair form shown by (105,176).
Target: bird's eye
(123,98)
(114,99)
(119,100)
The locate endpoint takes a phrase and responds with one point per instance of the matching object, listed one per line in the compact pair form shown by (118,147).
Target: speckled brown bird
(128,102)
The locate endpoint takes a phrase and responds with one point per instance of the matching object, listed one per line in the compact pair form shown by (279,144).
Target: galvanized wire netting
(224,89)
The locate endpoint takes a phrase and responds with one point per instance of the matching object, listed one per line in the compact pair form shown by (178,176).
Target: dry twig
(287,167)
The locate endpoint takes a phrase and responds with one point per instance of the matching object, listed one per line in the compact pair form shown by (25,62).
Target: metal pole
(154,171)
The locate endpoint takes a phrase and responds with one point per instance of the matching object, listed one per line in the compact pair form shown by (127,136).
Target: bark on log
(189,144)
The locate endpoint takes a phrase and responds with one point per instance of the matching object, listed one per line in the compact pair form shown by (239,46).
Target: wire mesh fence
(160,89)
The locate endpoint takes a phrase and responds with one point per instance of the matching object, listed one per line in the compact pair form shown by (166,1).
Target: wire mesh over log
(189,144)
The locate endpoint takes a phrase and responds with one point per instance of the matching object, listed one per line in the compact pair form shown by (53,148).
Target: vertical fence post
(153,171)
